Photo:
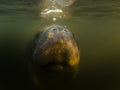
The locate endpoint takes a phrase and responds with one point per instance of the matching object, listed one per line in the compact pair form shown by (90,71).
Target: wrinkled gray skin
(51,52)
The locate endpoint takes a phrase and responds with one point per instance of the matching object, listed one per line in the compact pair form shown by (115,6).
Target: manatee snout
(55,49)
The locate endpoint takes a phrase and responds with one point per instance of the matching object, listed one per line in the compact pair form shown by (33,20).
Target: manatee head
(55,54)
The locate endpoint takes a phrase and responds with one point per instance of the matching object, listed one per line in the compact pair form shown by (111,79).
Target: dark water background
(95,22)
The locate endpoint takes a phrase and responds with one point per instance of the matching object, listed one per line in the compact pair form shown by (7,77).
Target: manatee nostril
(54,29)
(65,30)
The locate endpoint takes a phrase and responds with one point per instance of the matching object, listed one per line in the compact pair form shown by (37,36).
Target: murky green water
(95,22)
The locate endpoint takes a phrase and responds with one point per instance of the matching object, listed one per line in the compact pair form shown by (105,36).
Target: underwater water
(96,23)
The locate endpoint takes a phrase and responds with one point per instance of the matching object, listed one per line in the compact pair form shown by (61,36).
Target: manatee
(55,56)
